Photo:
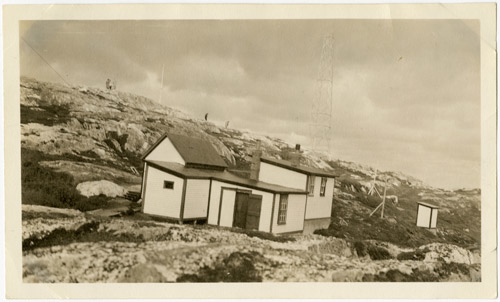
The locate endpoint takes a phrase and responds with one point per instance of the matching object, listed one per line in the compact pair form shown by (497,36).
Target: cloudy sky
(406,94)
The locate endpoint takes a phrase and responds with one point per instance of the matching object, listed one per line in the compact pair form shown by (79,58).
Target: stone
(93,188)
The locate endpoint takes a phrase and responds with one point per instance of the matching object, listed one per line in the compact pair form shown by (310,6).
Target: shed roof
(223,176)
(298,168)
(193,150)
(428,204)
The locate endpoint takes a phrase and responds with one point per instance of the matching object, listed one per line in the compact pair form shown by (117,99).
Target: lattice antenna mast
(322,105)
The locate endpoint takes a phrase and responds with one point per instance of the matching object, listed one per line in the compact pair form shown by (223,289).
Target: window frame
(168,184)
(311,183)
(322,188)
(283,209)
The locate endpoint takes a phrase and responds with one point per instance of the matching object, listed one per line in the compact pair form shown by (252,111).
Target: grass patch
(44,186)
(87,232)
(28,215)
(237,267)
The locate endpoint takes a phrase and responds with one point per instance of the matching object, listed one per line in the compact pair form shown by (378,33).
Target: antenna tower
(321,110)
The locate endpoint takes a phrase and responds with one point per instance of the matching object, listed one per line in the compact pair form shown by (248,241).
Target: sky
(405,93)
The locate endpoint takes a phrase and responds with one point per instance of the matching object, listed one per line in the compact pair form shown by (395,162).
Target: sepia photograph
(248,150)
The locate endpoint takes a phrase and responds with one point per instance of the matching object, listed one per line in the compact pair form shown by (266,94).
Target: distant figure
(110,85)
(206,116)
(227,124)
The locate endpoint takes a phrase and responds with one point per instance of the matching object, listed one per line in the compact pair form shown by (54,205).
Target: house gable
(164,149)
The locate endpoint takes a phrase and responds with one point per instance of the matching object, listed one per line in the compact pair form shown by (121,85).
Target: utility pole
(162,71)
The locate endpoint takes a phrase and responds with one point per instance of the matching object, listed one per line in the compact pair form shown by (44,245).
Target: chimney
(255,164)
(295,156)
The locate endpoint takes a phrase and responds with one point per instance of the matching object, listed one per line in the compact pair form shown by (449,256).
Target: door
(240,210)
(253,212)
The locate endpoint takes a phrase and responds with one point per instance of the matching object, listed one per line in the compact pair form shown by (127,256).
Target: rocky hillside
(94,135)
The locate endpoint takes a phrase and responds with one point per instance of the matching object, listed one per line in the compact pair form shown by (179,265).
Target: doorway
(247,211)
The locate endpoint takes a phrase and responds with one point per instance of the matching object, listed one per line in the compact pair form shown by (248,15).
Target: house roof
(223,176)
(428,204)
(301,169)
(192,150)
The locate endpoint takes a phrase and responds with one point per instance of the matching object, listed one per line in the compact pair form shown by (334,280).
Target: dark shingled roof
(428,204)
(223,176)
(193,150)
(302,169)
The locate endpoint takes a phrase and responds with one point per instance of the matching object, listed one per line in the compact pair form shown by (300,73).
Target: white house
(185,179)
(427,215)
(318,183)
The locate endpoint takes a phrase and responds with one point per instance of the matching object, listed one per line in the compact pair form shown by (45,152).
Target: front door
(253,213)
(247,211)
(240,210)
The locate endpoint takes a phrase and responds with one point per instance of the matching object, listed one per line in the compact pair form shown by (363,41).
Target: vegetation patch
(43,186)
(29,215)
(87,232)
(418,254)
(237,267)
(358,226)
(49,115)
(446,269)
(440,273)
(375,252)
(348,183)
(368,200)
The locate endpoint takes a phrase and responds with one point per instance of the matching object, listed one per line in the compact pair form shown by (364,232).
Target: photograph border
(485,12)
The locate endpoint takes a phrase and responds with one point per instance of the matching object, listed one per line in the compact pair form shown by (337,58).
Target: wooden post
(383,200)
(376,209)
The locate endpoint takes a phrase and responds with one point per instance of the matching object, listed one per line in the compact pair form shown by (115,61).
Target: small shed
(427,214)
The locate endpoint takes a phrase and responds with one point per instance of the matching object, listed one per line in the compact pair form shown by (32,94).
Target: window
(283,209)
(323,186)
(168,184)
(311,185)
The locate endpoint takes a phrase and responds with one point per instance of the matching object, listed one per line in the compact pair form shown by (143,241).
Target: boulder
(143,273)
(108,188)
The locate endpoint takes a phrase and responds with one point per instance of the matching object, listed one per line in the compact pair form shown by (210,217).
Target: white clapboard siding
(434,218)
(227,208)
(283,177)
(424,215)
(228,205)
(320,206)
(196,200)
(160,201)
(295,214)
(143,180)
(166,151)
